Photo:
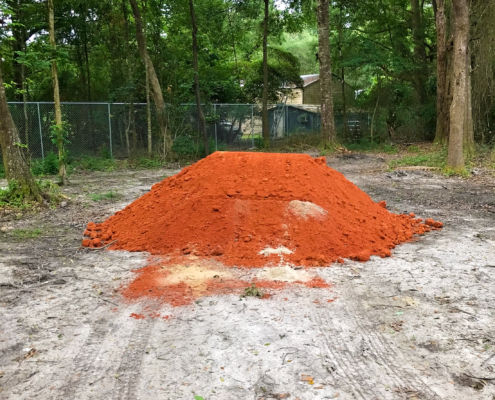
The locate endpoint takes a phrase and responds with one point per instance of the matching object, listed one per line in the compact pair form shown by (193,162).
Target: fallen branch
(103,247)
(475,377)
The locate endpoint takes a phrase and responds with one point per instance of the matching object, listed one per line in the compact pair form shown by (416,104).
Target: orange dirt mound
(253,209)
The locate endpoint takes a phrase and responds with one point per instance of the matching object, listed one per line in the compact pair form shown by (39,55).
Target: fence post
(215,113)
(110,130)
(252,123)
(41,132)
(287,119)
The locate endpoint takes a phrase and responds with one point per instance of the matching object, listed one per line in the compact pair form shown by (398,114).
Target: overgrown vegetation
(111,195)
(26,233)
(434,158)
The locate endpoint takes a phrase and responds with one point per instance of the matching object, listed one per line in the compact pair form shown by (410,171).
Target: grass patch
(89,163)
(436,159)
(111,195)
(365,145)
(26,233)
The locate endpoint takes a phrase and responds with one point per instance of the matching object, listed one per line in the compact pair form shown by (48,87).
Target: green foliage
(111,195)
(26,233)
(283,73)
(2,171)
(149,163)
(186,146)
(105,153)
(6,194)
(46,166)
(436,158)
(89,163)
(367,145)
(51,191)
(303,45)
(413,149)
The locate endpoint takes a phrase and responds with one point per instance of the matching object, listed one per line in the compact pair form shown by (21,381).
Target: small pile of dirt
(235,206)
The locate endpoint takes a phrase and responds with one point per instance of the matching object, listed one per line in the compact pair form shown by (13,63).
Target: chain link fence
(121,129)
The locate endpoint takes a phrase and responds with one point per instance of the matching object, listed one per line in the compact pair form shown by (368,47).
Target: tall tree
(14,161)
(265,129)
(421,73)
(441,133)
(460,107)
(342,71)
(201,115)
(328,133)
(58,128)
(156,90)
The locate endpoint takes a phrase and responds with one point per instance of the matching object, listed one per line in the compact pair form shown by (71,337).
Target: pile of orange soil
(256,209)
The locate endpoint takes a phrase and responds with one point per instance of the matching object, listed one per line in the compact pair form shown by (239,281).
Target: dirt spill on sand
(181,282)
(249,210)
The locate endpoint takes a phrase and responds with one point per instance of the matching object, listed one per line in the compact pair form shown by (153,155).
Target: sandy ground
(418,325)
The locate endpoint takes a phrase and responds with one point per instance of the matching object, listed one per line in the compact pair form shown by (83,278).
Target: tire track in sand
(372,367)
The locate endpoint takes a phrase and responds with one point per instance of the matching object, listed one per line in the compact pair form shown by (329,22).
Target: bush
(185,146)
(89,163)
(47,166)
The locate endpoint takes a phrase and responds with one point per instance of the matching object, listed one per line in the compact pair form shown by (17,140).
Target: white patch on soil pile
(305,209)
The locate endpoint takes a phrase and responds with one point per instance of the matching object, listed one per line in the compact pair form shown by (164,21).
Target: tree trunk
(376,108)
(201,115)
(419,53)
(156,91)
(265,129)
(18,43)
(328,134)
(62,169)
(24,105)
(442,111)
(148,113)
(15,164)
(342,75)
(460,102)
(469,132)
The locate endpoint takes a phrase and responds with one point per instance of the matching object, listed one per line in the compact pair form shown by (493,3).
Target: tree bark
(148,112)
(442,111)
(342,75)
(328,134)
(62,169)
(469,132)
(419,53)
(460,102)
(14,161)
(265,129)
(201,115)
(156,91)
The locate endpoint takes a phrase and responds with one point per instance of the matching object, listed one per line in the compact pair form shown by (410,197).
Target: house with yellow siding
(309,93)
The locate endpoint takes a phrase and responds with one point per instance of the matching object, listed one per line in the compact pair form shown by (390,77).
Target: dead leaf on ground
(397,326)
(30,353)
(443,299)
(411,394)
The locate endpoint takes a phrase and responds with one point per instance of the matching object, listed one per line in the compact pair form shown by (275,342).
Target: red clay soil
(231,206)
(151,284)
